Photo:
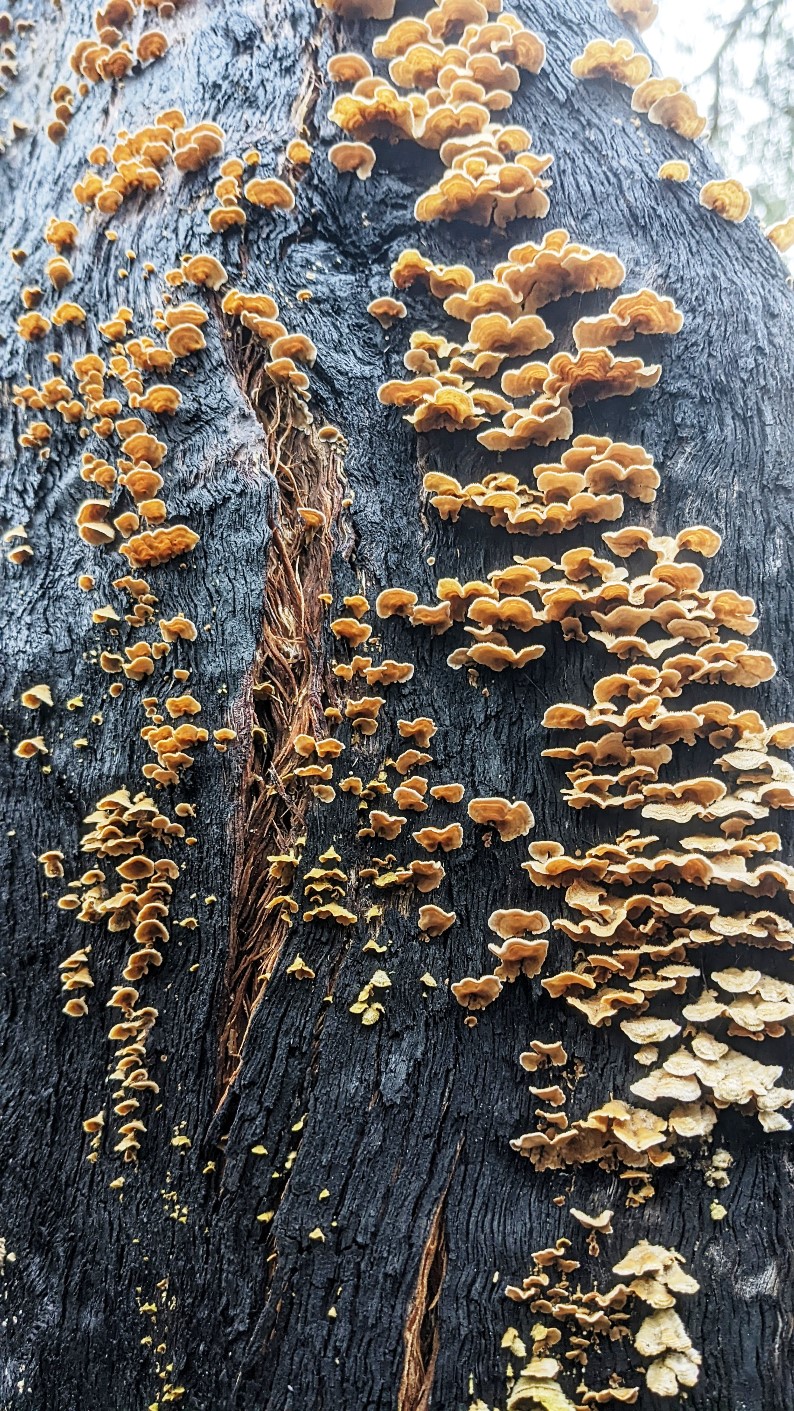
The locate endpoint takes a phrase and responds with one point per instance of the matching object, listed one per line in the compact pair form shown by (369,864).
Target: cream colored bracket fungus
(510,820)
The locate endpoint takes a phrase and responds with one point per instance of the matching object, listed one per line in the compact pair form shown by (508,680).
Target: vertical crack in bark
(421,1334)
(289,672)
(289,675)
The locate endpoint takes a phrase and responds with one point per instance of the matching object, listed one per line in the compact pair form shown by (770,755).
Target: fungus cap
(356,157)
(674,171)
(204,269)
(511,820)
(727,198)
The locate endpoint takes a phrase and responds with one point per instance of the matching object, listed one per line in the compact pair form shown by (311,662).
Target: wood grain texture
(416,1113)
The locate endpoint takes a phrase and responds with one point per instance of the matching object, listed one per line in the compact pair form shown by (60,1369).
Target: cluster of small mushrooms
(640,959)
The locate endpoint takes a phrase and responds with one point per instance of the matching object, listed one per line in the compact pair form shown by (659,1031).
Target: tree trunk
(395,1211)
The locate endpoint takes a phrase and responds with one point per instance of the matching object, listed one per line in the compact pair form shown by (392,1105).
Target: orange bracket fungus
(728,199)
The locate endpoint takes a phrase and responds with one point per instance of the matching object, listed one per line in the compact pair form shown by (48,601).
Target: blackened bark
(405,1124)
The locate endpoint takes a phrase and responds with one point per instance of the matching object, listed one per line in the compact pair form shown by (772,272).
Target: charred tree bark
(390,1141)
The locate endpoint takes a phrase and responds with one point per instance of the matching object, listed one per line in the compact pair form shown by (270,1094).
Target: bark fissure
(289,676)
(421,1329)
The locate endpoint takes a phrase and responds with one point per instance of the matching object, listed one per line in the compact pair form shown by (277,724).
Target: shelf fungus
(677,111)
(727,198)
(434,921)
(510,820)
(616,1132)
(516,922)
(449,838)
(645,312)
(674,171)
(781,234)
(359,9)
(618,61)
(386,310)
(204,270)
(269,192)
(518,956)
(477,993)
(356,157)
(640,14)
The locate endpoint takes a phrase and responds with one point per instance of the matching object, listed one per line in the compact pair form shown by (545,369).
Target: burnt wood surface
(405,1124)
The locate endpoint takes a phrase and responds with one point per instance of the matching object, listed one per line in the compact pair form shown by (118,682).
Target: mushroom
(421,730)
(781,234)
(618,61)
(477,993)
(153,44)
(204,270)
(515,922)
(356,157)
(674,171)
(678,112)
(449,839)
(447,793)
(727,198)
(640,14)
(195,146)
(386,310)
(348,67)
(645,312)
(269,192)
(349,629)
(511,820)
(360,9)
(601,1222)
(433,920)
(36,696)
(517,957)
